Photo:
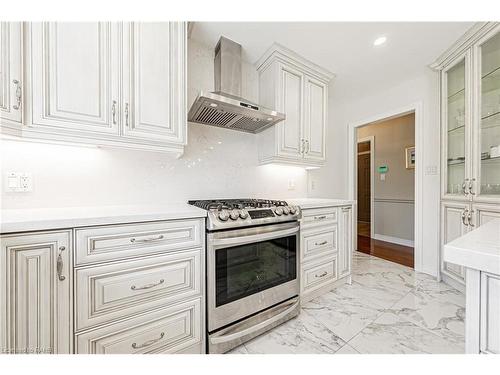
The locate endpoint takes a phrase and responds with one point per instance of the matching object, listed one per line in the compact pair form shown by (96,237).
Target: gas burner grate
(229,204)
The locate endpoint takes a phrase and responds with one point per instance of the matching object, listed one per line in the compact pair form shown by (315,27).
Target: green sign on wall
(382,169)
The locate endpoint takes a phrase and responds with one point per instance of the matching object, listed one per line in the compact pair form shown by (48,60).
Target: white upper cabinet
(153,82)
(103,83)
(299,89)
(75,79)
(11,79)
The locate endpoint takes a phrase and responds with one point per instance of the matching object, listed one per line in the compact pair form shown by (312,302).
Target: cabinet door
(483,213)
(11,71)
(74,70)
(456,128)
(315,99)
(154,82)
(454,216)
(36,303)
(290,137)
(490,313)
(345,241)
(487,119)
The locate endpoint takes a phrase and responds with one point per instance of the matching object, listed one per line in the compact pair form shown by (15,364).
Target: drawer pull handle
(148,286)
(321,243)
(151,239)
(322,275)
(148,343)
(319,217)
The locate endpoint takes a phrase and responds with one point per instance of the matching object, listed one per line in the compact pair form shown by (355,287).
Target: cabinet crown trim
(464,42)
(279,52)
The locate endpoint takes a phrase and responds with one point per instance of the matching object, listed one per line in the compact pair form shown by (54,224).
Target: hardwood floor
(389,251)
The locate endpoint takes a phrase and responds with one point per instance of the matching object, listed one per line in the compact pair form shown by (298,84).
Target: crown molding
(279,52)
(476,32)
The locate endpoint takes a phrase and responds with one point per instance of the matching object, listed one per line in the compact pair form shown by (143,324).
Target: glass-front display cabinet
(487,142)
(456,129)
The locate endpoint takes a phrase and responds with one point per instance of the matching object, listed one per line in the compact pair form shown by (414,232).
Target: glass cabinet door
(456,128)
(488,144)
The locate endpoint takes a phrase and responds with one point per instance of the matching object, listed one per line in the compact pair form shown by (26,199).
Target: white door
(455,217)
(290,131)
(345,241)
(75,76)
(315,119)
(154,106)
(35,300)
(11,71)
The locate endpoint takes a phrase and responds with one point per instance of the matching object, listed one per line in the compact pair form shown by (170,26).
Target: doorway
(386,188)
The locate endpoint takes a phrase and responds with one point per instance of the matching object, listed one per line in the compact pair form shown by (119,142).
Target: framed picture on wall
(410,157)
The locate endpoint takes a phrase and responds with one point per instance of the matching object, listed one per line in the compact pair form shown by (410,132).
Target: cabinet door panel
(485,213)
(315,123)
(74,68)
(487,129)
(453,227)
(290,130)
(154,75)
(456,127)
(490,313)
(346,241)
(11,71)
(36,301)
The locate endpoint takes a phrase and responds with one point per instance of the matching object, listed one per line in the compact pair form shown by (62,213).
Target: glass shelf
(456,95)
(457,130)
(456,162)
(490,159)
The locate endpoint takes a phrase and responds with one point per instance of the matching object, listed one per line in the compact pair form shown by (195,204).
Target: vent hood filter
(225,108)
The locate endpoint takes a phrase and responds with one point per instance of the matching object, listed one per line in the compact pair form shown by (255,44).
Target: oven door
(249,270)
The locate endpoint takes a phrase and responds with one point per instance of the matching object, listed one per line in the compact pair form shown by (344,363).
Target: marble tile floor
(389,308)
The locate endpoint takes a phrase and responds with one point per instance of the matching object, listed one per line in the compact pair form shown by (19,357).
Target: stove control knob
(234,214)
(243,214)
(223,216)
(278,211)
(286,210)
(293,210)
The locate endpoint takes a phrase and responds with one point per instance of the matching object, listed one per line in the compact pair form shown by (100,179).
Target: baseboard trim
(396,240)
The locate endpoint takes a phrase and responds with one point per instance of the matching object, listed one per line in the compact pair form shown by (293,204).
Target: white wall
(218,163)
(332,180)
(394,196)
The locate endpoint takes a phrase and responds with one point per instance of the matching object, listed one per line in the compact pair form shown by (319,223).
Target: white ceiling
(345,48)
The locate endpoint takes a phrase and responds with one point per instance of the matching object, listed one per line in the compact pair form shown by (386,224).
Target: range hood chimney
(225,108)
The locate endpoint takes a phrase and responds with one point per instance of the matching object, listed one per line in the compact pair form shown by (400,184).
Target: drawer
(490,313)
(118,290)
(319,216)
(319,242)
(168,330)
(316,275)
(114,242)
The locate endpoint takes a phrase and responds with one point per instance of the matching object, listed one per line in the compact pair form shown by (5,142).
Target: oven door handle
(247,331)
(239,240)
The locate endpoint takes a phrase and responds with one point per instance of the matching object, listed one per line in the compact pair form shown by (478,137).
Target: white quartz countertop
(23,220)
(478,249)
(306,203)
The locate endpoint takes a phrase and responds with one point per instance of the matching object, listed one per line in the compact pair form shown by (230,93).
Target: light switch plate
(431,170)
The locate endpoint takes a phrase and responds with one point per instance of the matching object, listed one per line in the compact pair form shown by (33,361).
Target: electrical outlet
(382,177)
(313,185)
(19,182)
(291,184)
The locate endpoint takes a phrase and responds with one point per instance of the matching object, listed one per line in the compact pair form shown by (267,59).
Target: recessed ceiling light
(213,105)
(379,41)
(269,118)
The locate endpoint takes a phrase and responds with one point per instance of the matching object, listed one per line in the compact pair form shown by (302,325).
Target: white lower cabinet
(326,249)
(167,330)
(134,288)
(36,296)
(490,313)
(455,216)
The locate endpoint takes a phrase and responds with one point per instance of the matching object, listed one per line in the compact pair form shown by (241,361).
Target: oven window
(248,269)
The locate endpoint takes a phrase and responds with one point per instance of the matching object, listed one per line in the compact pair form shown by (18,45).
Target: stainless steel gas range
(252,268)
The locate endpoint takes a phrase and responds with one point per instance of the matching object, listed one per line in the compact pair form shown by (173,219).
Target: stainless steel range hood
(225,108)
